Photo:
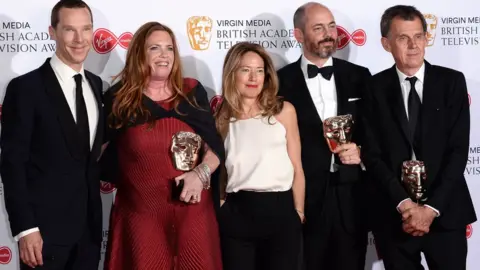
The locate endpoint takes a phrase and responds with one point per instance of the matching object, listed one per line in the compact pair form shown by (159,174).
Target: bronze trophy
(337,130)
(185,150)
(413,179)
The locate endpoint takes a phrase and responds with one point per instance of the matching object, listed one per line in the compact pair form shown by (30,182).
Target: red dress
(148,229)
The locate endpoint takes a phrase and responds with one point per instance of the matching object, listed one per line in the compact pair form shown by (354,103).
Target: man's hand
(31,249)
(417,220)
(348,153)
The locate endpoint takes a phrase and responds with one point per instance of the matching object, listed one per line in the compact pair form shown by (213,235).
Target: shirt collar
(64,72)
(420,74)
(305,62)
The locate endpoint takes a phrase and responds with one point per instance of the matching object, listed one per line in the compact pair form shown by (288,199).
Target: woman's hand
(192,187)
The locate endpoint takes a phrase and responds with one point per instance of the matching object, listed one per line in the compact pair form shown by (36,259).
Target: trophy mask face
(338,130)
(185,149)
(414,176)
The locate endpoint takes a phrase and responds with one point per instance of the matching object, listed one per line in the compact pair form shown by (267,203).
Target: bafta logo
(199,30)
(431,28)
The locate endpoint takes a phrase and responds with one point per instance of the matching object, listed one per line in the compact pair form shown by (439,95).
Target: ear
(298,34)
(386,44)
(51,32)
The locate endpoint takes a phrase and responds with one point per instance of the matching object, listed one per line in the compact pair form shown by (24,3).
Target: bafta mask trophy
(337,130)
(413,179)
(185,150)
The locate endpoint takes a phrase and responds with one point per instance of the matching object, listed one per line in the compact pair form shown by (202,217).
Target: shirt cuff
(398,206)
(25,233)
(435,210)
(363,166)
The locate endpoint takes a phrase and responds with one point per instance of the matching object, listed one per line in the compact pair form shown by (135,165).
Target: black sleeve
(18,116)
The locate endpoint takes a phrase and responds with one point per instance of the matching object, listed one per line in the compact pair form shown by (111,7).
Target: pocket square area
(353,99)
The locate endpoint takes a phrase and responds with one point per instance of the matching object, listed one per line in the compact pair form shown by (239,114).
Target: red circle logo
(104,41)
(106,188)
(469,230)
(215,102)
(358,37)
(5,255)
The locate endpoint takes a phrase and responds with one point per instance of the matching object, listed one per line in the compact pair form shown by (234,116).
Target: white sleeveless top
(257,157)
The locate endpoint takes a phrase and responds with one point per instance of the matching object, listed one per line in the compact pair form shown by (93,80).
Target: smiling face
(160,54)
(73,35)
(250,75)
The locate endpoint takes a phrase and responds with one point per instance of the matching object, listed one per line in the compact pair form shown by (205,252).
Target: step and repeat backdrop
(206,29)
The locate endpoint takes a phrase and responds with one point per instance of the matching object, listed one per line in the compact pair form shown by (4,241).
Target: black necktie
(414,109)
(326,72)
(82,116)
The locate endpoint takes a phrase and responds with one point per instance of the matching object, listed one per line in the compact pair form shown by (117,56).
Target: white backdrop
(25,43)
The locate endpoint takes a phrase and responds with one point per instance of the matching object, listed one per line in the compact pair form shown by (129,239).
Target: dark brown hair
(55,15)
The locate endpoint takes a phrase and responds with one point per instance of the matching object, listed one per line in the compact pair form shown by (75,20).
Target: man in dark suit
(320,86)
(417,111)
(52,132)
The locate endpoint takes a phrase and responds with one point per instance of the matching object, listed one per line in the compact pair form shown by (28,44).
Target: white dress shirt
(324,95)
(406,86)
(65,78)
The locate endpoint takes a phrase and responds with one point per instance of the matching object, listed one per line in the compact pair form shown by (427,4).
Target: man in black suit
(52,132)
(420,111)
(335,236)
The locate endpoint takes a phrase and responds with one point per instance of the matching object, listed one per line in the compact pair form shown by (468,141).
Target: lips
(252,85)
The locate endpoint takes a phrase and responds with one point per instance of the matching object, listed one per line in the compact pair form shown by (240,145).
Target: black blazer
(48,183)
(445,126)
(199,119)
(350,82)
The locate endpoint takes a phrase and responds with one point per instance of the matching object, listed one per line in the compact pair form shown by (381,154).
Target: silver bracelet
(203,172)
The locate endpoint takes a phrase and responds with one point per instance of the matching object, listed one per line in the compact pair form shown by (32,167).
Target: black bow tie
(326,72)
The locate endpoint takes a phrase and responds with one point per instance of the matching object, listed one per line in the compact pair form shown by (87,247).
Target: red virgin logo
(104,41)
(5,255)
(469,230)
(358,37)
(215,102)
(106,188)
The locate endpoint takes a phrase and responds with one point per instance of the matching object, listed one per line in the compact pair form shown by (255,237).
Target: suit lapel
(64,114)
(340,87)
(97,90)
(430,102)
(397,104)
(303,94)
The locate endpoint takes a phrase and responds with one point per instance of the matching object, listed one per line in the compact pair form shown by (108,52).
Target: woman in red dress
(163,217)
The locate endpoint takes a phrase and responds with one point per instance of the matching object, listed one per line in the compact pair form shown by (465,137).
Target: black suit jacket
(445,126)
(48,183)
(350,82)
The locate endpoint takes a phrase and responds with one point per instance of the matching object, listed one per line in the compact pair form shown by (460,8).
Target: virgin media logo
(358,37)
(104,41)
(106,188)
(5,255)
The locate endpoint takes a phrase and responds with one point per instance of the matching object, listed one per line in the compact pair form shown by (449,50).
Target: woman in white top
(262,211)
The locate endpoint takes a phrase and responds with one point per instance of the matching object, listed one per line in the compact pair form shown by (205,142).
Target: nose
(78,37)
(412,44)
(343,137)
(253,76)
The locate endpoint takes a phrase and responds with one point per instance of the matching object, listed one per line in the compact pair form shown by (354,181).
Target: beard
(321,50)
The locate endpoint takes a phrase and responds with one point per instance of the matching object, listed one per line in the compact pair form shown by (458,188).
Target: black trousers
(327,244)
(83,255)
(443,249)
(260,230)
